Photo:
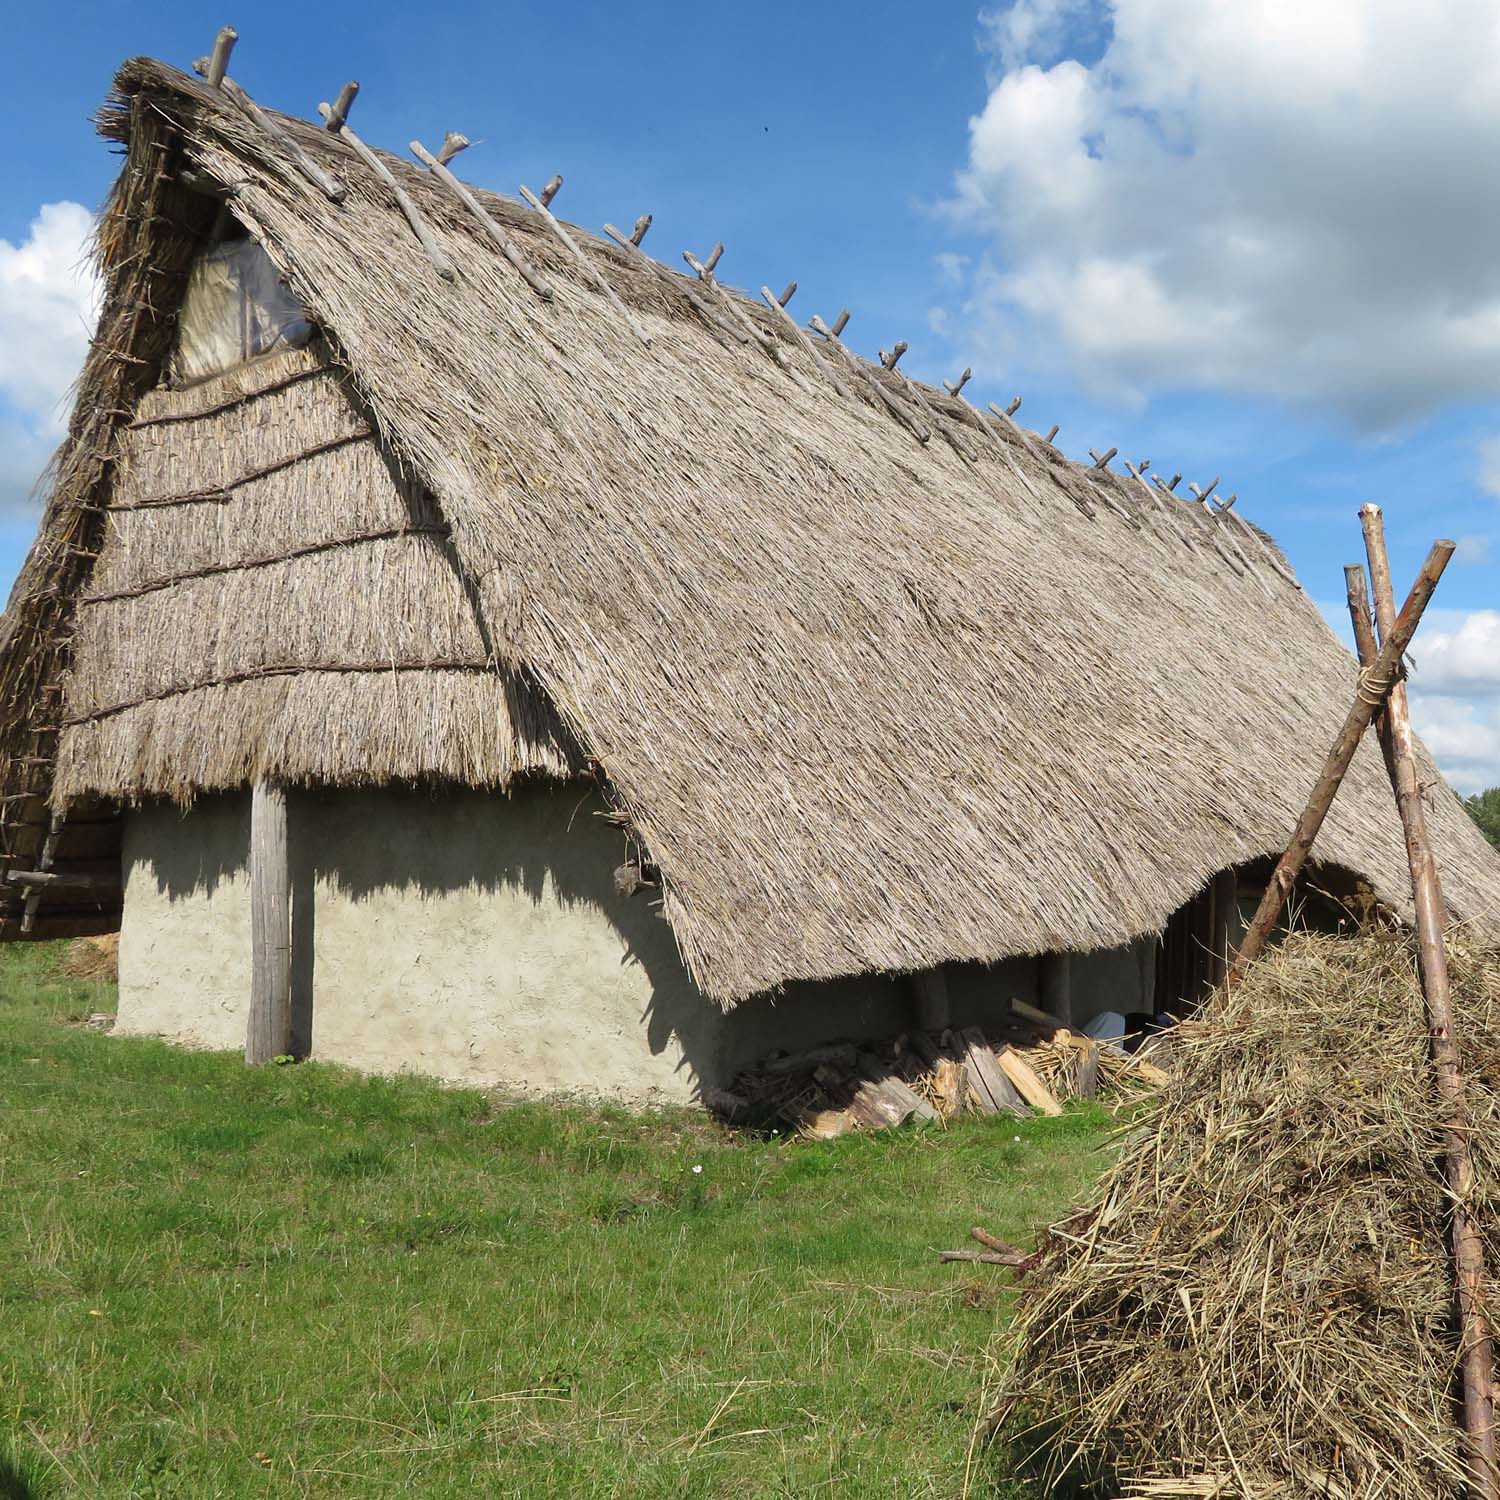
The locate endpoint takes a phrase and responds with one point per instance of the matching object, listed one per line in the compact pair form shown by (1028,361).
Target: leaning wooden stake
(1374,684)
(268,1033)
(1478,1367)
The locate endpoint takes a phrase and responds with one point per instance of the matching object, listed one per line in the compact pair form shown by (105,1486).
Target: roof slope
(868,702)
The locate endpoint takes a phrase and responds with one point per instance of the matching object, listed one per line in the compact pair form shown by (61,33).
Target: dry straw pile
(1259,1301)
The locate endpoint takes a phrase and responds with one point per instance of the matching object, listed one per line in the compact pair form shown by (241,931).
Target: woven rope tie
(1374,689)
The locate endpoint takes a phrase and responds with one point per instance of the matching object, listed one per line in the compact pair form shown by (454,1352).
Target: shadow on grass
(14,1485)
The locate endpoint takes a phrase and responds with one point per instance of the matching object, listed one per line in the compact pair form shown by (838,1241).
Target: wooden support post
(1475,1334)
(49,851)
(268,1033)
(1055,984)
(930,990)
(1375,682)
(1225,927)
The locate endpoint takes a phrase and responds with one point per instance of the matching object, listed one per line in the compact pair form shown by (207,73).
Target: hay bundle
(1259,1302)
(92,958)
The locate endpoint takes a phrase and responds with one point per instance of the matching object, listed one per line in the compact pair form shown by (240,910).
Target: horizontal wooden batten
(220,494)
(240,398)
(287,669)
(211,570)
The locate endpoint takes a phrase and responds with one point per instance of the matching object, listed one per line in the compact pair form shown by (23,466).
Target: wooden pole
(1055,985)
(1477,1345)
(268,1033)
(1375,682)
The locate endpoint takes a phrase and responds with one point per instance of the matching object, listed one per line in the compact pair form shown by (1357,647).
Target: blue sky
(1246,238)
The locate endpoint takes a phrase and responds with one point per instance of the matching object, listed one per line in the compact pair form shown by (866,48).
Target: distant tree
(1484,808)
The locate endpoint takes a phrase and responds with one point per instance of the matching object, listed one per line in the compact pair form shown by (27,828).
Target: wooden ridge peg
(856,367)
(631,246)
(589,268)
(341,107)
(496,234)
(763,336)
(440,262)
(218,62)
(331,189)
(826,370)
(1374,684)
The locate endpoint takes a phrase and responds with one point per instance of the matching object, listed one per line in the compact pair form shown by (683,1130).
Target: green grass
(301,1282)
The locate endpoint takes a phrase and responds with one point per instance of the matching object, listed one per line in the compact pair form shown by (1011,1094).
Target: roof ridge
(892,389)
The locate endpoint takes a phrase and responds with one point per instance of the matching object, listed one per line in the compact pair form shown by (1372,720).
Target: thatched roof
(867,702)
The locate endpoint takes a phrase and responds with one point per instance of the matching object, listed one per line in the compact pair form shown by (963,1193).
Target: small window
(236,308)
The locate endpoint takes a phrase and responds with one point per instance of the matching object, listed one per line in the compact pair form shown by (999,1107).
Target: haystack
(1259,1301)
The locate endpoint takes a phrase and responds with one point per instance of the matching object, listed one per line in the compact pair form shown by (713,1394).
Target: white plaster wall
(479,939)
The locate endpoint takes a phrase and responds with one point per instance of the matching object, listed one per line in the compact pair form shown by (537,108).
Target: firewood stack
(1028,1063)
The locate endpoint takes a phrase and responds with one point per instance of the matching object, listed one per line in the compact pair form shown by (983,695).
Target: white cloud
(1464,738)
(1463,659)
(1489,466)
(48,302)
(1261,196)
(1473,549)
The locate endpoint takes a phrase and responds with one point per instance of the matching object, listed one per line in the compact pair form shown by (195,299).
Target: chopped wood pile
(1029,1063)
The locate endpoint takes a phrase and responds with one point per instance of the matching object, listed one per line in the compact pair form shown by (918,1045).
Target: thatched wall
(868,703)
(272,599)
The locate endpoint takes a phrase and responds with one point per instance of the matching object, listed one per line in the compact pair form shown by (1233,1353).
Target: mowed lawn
(297,1281)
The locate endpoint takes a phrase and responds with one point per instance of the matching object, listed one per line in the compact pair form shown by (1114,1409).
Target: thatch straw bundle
(1261,1296)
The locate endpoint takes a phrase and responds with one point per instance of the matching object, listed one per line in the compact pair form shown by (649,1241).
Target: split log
(1374,684)
(1086,1086)
(1026,1082)
(878,1080)
(950,1087)
(827,1125)
(994,1091)
(1475,1324)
